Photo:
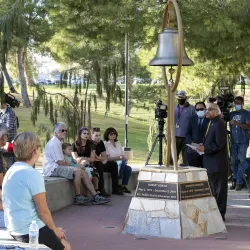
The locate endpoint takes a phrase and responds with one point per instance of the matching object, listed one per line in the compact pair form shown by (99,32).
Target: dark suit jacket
(196,134)
(215,143)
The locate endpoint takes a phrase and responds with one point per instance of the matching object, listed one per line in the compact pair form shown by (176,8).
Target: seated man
(54,165)
(3,140)
(103,165)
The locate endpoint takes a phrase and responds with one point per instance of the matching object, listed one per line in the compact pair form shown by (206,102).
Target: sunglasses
(96,129)
(201,109)
(63,130)
(112,133)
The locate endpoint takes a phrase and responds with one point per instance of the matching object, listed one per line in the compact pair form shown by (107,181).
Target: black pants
(181,148)
(46,237)
(194,159)
(218,184)
(110,167)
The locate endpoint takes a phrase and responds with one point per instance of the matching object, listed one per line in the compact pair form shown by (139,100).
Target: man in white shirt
(55,165)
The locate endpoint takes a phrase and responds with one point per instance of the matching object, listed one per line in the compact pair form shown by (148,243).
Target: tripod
(159,137)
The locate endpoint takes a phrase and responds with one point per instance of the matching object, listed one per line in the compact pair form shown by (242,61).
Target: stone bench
(7,240)
(60,191)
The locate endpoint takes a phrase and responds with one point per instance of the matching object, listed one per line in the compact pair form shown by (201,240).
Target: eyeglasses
(201,109)
(112,133)
(63,130)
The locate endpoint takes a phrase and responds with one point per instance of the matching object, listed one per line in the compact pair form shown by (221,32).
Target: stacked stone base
(179,219)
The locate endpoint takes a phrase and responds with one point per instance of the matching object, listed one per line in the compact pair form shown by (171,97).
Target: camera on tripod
(225,102)
(11,100)
(161,110)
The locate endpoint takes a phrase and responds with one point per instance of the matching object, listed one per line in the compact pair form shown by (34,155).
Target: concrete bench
(7,240)
(60,191)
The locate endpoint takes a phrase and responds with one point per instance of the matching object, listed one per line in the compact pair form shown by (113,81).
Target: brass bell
(167,52)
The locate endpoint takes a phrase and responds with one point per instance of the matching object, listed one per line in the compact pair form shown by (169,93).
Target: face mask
(238,107)
(200,113)
(181,101)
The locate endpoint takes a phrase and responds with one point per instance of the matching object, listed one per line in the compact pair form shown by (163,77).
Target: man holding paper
(215,158)
(195,134)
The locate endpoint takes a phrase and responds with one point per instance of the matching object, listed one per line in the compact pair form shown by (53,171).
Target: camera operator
(196,134)
(8,117)
(239,128)
(183,113)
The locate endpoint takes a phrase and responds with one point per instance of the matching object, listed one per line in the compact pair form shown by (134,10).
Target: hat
(181,94)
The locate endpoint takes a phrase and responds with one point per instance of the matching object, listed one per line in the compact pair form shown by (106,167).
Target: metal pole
(126,88)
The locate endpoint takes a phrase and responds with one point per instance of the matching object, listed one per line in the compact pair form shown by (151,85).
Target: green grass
(138,126)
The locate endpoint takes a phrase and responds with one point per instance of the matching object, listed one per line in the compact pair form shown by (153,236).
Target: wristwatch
(120,156)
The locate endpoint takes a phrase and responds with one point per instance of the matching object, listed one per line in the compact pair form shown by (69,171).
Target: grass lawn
(138,127)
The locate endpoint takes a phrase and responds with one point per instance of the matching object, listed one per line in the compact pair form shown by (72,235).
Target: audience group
(83,161)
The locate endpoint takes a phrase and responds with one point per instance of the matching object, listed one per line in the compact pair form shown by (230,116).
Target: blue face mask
(200,113)
(237,107)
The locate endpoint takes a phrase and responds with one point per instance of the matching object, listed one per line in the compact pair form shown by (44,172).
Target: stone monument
(169,201)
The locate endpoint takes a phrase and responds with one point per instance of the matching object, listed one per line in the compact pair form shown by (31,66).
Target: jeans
(124,171)
(238,158)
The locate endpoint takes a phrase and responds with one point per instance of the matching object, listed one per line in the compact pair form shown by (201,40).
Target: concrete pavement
(99,227)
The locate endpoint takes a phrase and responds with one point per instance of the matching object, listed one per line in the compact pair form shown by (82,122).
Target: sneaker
(238,187)
(80,199)
(125,190)
(99,200)
(118,192)
(233,185)
(103,193)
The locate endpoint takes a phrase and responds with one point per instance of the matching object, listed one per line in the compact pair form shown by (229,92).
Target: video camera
(161,110)
(225,102)
(11,100)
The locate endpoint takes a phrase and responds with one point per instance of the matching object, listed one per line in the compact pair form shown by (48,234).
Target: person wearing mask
(104,165)
(196,133)
(239,121)
(183,113)
(215,158)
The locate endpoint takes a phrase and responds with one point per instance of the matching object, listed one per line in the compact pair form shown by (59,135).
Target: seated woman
(115,153)
(83,152)
(24,198)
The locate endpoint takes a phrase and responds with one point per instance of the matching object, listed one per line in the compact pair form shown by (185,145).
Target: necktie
(199,124)
(208,128)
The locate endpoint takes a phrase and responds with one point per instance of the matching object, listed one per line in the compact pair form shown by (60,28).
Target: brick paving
(99,227)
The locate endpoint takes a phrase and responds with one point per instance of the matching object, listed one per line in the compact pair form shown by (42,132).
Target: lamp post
(171,53)
(127,150)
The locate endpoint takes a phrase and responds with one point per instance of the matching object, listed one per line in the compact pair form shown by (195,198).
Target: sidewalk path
(99,227)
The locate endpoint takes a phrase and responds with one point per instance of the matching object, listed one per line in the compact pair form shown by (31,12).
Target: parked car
(48,81)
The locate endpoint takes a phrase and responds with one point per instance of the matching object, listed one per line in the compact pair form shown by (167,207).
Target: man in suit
(215,158)
(196,133)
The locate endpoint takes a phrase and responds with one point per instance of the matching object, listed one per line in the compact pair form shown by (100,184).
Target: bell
(167,52)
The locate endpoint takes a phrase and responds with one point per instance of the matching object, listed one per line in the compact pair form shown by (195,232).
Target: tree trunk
(21,74)
(8,79)
(28,72)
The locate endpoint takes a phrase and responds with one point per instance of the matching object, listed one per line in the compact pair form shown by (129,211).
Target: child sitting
(84,165)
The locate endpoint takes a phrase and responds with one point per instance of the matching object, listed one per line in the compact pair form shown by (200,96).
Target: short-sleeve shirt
(9,119)
(239,135)
(20,184)
(52,154)
(86,150)
(114,151)
(100,148)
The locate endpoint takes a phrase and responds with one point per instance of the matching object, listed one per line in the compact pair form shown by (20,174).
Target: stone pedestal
(173,204)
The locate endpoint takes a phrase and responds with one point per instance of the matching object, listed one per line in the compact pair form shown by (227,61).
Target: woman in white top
(116,153)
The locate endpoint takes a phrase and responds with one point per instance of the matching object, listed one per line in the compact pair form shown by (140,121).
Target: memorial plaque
(157,190)
(194,190)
